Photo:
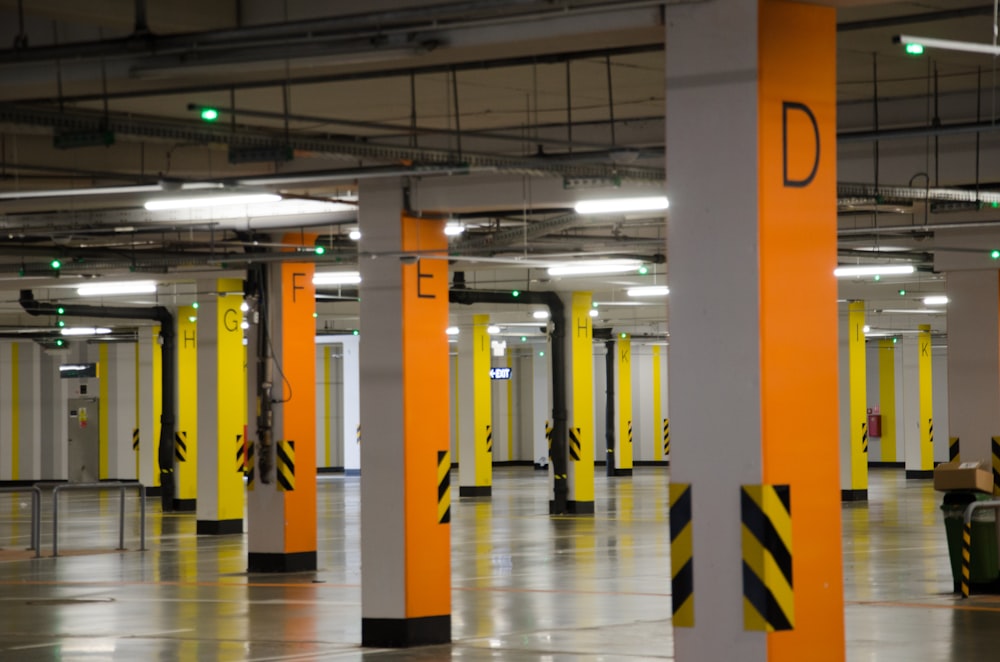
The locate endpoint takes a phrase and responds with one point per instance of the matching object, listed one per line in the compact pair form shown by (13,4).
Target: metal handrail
(36,514)
(121,487)
(967,538)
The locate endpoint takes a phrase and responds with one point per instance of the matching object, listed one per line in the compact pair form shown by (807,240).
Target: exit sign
(499,373)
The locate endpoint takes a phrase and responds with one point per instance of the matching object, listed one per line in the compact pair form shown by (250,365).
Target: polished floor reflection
(526,586)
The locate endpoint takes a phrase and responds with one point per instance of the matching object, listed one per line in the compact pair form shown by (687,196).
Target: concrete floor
(526,586)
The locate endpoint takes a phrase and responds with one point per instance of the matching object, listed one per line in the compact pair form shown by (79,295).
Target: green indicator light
(192,319)
(524,338)
(59,342)
(195,305)
(516,293)
(61,323)
(541,353)
(594,304)
(914,49)
(315,315)
(995,254)
(320,250)
(623,335)
(355,332)
(56,264)
(894,341)
(61,310)
(643,270)
(995,204)
(902,293)
(878,277)
(209,114)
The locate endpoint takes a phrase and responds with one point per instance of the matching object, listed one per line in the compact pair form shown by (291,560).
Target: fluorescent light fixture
(493,329)
(593,312)
(935,300)
(649,291)
(354,235)
(622,205)
(452,330)
(337,278)
(911,311)
(540,314)
(594,267)
(873,270)
(866,328)
(84,331)
(453,229)
(944,44)
(112,288)
(210,201)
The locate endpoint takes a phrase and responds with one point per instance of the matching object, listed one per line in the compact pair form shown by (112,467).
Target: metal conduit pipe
(557,313)
(168,375)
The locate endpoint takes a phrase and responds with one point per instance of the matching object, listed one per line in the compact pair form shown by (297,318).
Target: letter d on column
(786,107)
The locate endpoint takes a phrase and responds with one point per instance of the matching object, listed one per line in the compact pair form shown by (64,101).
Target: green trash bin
(984,568)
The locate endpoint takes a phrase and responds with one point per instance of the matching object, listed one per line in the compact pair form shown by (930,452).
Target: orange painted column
(405,486)
(281,482)
(751,163)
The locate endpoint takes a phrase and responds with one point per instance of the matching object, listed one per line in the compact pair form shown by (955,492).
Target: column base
(405,632)
(272,562)
(919,474)
(574,508)
(475,491)
(330,470)
(854,495)
(623,472)
(154,492)
(886,465)
(185,505)
(206,527)
(541,467)
(352,472)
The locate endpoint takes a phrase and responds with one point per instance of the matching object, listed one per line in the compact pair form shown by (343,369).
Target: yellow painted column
(186,435)
(857,414)
(220,418)
(887,398)
(476,393)
(623,410)
(580,390)
(926,400)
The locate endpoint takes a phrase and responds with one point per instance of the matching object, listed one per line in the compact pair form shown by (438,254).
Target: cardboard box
(963,476)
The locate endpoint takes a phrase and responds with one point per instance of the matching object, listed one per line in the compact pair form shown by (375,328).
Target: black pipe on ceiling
(557,313)
(168,374)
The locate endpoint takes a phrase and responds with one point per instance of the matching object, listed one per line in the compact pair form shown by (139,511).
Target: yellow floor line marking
(920,605)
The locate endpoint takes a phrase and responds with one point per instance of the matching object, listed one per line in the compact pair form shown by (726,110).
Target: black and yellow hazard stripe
(135,439)
(630,432)
(996,465)
(864,438)
(180,446)
(768,595)
(241,456)
(953,452)
(681,555)
(489,439)
(286,466)
(574,444)
(930,431)
(966,556)
(251,466)
(666,437)
(444,487)
(357,434)
(548,438)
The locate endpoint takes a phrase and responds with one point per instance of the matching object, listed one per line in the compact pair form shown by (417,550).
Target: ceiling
(499,114)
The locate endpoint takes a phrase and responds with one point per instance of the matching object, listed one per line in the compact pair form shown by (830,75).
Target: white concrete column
(405,486)
(974,361)
(942,419)
(149,392)
(541,406)
(477,433)
(917,415)
(54,425)
(751,156)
